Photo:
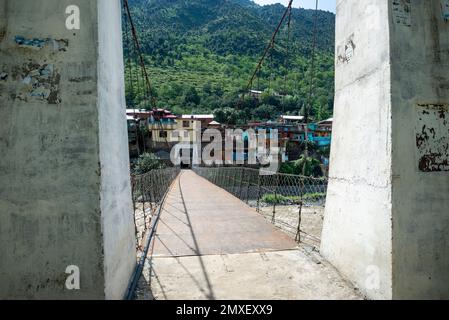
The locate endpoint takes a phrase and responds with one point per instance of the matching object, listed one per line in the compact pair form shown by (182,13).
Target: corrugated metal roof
(293,117)
(138,111)
(328,120)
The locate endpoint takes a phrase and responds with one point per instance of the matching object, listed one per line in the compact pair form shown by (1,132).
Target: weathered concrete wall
(64,195)
(357,229)
(420,113)
(3,20)
(387,219)
(116,205)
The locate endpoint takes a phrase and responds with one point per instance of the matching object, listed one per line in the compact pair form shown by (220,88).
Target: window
(162,134)
(186,124)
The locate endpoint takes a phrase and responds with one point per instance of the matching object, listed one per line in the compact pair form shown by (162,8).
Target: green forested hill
(201,54)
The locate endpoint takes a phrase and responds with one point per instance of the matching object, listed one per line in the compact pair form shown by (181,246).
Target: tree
(322,113)
(218,90)
(265,112)
(290,104)
(309,167)
(249,102)
(169,91)
(148,162)
(268,97)
(229,116)
(207,88)
(192,96)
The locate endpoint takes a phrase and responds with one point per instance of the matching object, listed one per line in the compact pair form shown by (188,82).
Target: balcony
(162,126)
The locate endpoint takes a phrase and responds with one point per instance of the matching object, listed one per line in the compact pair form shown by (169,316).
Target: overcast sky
(328,5)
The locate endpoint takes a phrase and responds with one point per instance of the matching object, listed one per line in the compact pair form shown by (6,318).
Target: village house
(165,130)
(291,120)
(323,133)
(136,118)
(161,126)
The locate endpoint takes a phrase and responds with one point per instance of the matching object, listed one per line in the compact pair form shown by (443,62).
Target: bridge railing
(148,192)
(270,191)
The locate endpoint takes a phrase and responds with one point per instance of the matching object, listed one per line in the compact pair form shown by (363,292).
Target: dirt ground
(142,222)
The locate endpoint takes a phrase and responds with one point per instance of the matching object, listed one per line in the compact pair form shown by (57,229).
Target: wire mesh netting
(264,190)
(148,191)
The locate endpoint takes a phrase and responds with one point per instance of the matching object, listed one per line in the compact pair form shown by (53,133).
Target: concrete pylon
(65,196)
(387,214)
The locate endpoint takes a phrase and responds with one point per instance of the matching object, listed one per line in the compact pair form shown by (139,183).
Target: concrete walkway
(211,245)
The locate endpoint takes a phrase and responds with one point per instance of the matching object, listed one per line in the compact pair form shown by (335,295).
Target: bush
(275,199)
(283,200)
(148,162)
(287,168)
(309,167)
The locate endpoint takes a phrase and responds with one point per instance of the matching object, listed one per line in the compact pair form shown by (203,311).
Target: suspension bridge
(219,247)
(206,241)
(67,198)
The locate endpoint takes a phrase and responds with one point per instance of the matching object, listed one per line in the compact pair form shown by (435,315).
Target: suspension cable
(268,48)
(312,77)
(287,56)
(144,75)
(128,49)
(139,50)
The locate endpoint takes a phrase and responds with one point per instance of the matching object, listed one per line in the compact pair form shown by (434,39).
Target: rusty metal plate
(432,137)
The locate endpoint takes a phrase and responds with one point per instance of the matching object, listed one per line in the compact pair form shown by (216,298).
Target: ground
(277,275)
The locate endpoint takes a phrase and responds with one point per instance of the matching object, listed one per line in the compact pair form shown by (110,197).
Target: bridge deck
(200,218)
(210,245)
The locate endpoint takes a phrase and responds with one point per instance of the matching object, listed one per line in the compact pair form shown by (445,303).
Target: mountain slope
(209,48)
(210,18)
